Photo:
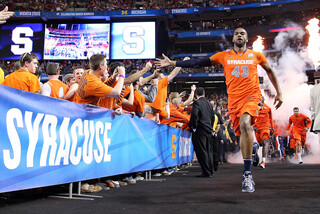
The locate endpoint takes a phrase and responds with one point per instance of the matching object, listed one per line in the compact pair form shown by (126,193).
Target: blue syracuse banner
(46,141)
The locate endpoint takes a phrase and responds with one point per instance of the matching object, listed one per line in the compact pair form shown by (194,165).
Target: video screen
(76,41)
(17,39)
(133,40)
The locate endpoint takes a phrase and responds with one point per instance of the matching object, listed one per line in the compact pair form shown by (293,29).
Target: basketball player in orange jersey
(54,87)
(262,128)
(91,88)
(77,74)
(240,69)
(24,78)
(301,124)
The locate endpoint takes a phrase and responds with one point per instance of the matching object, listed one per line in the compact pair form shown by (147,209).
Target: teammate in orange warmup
(301,124)
(262,128)
(243,88)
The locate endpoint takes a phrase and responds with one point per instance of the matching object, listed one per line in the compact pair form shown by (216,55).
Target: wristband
(121,76)
(192,89)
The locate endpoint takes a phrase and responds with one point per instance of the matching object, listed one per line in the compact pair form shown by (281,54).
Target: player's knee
(245,127)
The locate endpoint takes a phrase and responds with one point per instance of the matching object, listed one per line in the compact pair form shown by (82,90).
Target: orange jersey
(175,116)
(240,70)
(24,80)
(138,103)
(91,89)
(57,88)
(300,122)
(264,120)
(161,97)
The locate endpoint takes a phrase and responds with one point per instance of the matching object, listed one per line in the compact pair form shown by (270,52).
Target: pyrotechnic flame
(258,45)
(314,41)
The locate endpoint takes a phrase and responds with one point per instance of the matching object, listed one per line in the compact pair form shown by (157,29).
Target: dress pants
(202,143)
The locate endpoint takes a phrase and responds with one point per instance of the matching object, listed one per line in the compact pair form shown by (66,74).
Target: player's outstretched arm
(274,80)
(191,63)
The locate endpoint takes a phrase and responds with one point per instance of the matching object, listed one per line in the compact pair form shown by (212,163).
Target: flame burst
(314,41)
(258,45)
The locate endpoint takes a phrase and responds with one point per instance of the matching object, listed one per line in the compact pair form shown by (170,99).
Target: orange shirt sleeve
(217,58)
(308,120)
(34,84)
(289,125)
(262,59)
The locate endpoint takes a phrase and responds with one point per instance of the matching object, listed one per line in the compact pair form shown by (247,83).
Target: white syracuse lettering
(240,62)
(57,147)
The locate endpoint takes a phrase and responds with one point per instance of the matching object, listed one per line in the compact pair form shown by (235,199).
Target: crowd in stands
(100,5)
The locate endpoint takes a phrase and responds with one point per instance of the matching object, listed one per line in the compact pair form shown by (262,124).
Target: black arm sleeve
(194,63)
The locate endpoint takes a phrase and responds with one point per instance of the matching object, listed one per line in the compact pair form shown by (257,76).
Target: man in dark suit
(201,123)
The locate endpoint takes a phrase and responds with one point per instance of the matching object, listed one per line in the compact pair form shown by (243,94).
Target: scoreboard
(118,40)
(17,39)
(133,40)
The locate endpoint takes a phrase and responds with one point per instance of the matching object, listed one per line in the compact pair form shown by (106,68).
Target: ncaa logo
(250,55)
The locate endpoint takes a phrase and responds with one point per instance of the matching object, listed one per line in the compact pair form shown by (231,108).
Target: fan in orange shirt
(262,128)
(91,88)
(77,74)
(240,69)
(115,103)
(301,124)
(159,105)
(175,115)
(54,87)
(24,78)
(177,119)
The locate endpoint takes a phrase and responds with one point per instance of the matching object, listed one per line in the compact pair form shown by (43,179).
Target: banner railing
(46,141)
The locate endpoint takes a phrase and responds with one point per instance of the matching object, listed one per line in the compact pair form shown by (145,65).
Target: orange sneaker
(296,156)
(263,165)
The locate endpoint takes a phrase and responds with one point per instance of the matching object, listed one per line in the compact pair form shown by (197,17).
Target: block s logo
(18,40)
(132,36)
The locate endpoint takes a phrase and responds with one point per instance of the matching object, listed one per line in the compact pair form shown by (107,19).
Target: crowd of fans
(100,5)
(180,104)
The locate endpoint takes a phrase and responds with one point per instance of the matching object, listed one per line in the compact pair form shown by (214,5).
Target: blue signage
(47,141)
(177,11)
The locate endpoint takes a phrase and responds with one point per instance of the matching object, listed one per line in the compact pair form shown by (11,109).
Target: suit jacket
(202,116)
(315,107)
